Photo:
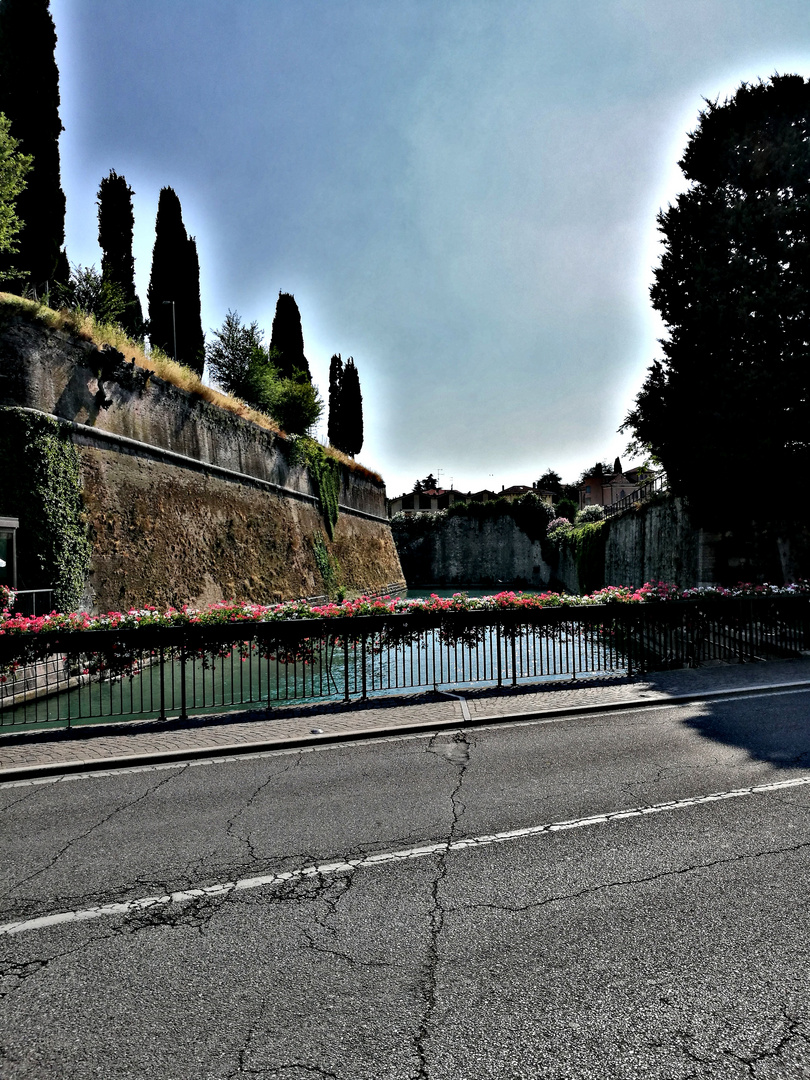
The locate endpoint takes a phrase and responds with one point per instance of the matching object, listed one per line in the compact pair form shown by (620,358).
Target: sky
(460,194)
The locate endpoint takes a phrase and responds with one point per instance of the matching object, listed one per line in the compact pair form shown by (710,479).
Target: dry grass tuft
(89,328)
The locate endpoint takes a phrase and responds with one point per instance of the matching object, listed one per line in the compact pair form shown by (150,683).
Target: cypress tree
(333,429)
(189,314)
(29,97)
(351,410)
(287,340)
(116,221)
(174,287)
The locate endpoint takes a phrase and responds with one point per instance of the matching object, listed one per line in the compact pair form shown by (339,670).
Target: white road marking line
(442,847)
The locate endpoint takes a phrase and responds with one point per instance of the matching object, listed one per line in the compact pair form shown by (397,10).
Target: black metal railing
(33,602)
(80,676)
(641,494)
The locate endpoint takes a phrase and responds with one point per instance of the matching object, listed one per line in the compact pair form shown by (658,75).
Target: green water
(468,590)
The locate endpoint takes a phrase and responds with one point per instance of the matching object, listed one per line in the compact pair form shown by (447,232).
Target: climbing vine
(325,472)
(328,567)
(588,545)
(42,487)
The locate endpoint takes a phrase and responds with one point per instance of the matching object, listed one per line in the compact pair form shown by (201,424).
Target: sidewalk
(30,754)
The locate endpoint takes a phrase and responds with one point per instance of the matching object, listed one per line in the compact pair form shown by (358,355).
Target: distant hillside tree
(351,409)
(116,222)
(287,339)
(550,481)
(14,167)
(175,277)
(29,97)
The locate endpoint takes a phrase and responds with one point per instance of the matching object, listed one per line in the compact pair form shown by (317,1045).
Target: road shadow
(773,728)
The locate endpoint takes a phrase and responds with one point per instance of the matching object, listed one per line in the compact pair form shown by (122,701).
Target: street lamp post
(174,329)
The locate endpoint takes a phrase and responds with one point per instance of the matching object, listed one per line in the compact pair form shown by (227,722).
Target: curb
(163,757)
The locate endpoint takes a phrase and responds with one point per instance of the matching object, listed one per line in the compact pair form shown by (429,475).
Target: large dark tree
(174,287)
(116,222)
(29,97)
(351,410)
(726,409)
(287,339)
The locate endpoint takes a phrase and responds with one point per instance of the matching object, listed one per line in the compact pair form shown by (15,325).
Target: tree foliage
(175,278)
(29,97)
(239,362)
(287,339)
(87,290)
(351,408)
(333,429)
(116,222)
(345,429)
(730,397)
(14,167)
(550,481)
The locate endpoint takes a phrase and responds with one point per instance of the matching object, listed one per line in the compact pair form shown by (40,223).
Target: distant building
(604,489)
(426,502)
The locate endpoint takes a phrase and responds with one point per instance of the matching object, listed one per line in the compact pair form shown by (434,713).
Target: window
(8,559)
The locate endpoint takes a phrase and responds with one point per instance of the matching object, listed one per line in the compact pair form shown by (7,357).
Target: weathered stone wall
(66,376)
(465,551)
(656,542)
(169,536)
(170,530)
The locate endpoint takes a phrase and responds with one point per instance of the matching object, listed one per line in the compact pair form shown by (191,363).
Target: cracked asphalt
(670,944)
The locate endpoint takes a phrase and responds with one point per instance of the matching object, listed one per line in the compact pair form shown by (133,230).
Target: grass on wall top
(89,328)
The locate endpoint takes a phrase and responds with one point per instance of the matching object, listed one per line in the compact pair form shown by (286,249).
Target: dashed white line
(321,870)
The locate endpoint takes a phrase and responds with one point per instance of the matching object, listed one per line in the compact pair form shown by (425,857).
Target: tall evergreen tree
(351,410)
(333,430)
(287,339)
(174,287)
(116,222)
(29,97)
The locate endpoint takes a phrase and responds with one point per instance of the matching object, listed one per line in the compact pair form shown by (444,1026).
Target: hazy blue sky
(460,193)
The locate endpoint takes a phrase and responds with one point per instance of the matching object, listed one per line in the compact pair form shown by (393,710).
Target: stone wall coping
(88,436)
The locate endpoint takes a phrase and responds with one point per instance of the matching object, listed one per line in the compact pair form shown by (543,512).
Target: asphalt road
(449,932)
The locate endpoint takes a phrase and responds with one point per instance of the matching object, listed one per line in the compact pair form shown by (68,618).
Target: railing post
(162,676)
(514,657)
(363,660)
(628,636)
(498,652)
(183,653)
(346,667)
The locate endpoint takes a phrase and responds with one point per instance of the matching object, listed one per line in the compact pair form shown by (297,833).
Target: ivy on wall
(325,473)
(328,568)
(42,487)
(587,543)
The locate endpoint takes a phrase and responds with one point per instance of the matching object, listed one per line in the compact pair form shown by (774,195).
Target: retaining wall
(185,502)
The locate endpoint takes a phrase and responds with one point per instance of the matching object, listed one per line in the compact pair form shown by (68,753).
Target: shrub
(558,528)
(589,513)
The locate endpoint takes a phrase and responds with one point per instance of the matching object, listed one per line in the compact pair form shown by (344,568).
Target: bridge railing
(69,677)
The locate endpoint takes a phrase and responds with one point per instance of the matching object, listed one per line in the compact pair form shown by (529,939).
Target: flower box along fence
(64,669)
